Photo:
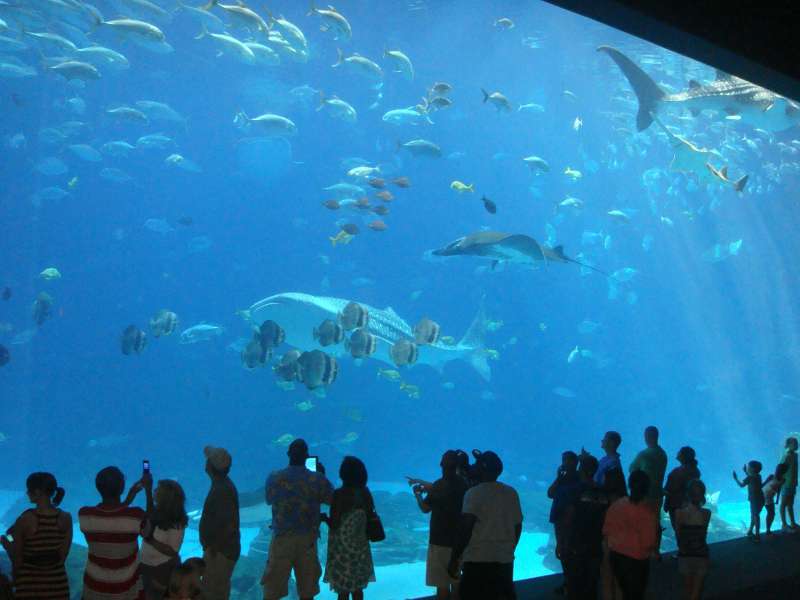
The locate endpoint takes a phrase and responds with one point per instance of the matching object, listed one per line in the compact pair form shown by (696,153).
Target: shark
(727,95)
(502,247)
(299,314)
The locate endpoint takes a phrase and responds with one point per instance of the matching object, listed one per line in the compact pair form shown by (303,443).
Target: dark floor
(741,569)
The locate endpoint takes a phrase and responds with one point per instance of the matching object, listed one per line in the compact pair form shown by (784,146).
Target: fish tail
(739,184)
(321,104)
(485,95)
(333,241)
(311,9)
(647,91)
(203,33)
(339,58)
(211,4)
(474,340)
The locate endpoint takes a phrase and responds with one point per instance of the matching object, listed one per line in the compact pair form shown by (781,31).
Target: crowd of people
(607,529)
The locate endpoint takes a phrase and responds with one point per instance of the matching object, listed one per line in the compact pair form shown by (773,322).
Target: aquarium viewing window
(389,233)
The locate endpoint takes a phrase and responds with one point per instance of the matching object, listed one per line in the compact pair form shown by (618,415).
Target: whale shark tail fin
(647,90)
(473,339)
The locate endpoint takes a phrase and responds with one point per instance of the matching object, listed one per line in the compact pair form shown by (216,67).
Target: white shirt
(171,537)
(498,513)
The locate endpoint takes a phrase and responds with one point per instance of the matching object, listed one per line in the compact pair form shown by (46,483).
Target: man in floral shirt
(295,494)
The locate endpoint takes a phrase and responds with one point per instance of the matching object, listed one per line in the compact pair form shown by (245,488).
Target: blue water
(707,350)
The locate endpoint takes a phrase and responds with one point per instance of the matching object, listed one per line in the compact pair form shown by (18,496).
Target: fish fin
(473,339)
(647,91)
(694,84)
(724,171)
(485,95)
(321,104)
(494,264)
(739,184)
(339,59)
(312,9)
(211,4)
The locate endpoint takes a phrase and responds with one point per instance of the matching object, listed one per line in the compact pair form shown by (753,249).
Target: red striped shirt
(112,568)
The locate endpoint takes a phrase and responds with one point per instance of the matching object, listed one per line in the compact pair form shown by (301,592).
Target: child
(691,526)
(772,487)
(789,484)
(755,495)
(184,582)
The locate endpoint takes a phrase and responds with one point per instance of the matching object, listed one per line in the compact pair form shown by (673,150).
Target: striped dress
(112,567)
(42,575)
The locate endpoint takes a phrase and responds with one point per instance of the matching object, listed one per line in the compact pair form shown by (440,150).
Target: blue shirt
(295,494)
(604,465)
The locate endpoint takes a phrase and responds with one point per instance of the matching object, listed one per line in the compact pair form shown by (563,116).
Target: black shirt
(445,499)
(585,536)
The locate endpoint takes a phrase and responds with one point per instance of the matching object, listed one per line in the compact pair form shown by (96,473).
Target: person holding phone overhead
(219,526)
(295,494)
(41,540)
(162,534)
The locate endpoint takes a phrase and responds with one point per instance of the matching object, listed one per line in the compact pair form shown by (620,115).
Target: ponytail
(59,496)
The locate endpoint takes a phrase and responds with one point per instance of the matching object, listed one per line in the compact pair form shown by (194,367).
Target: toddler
(772,488)
(755,495)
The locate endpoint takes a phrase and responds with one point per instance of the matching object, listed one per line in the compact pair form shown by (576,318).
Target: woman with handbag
(352,523)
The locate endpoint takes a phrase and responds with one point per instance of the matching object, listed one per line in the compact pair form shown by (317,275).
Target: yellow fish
(304,406)
(389,374)
(492,354)
(462,187)
(448,340)
(72,182)
(341,238)
(50,273)
(573,174)
(411,390)
(350,438)
(284,440)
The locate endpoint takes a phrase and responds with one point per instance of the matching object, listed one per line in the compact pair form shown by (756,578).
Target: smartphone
(145,466)
(311,463)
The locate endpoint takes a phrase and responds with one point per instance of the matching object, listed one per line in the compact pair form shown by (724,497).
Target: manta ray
(507,247)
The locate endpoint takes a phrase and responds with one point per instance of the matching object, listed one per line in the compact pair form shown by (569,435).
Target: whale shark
(502,247)
(299,314)
(727,95)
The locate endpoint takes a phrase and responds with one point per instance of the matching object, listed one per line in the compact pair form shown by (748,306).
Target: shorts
(693,566)
(436,574)
(289,552)
(787,495)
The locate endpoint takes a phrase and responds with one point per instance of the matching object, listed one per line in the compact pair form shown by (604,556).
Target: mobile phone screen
(311,463)
(146,466)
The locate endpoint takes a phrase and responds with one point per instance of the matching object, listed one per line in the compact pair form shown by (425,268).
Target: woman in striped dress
(41,541)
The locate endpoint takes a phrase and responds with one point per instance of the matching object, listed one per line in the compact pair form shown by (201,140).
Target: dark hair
(614,437)
(353,473)
(781,470)
(170,513)
(110,482)
(639,484)
(689,456)
(791,439)
(570,455)
(755,465)
(179,575)
(46,483)
(651,431)
(696,492)
(588,465)
(195,564)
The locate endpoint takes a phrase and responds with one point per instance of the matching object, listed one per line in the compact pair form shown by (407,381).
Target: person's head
(218,461)
(170,505)
(651,436)
(110,483)
(182,583)
(611,441)
(791,444)
(754,467)
(298,453)
(587,467)
(42,487)
(781,470)
(197,569)
(450,462)
(687,457)
(638,484)
(353,473)
(696,492)
(462,462)
(569,461)
(489,466)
